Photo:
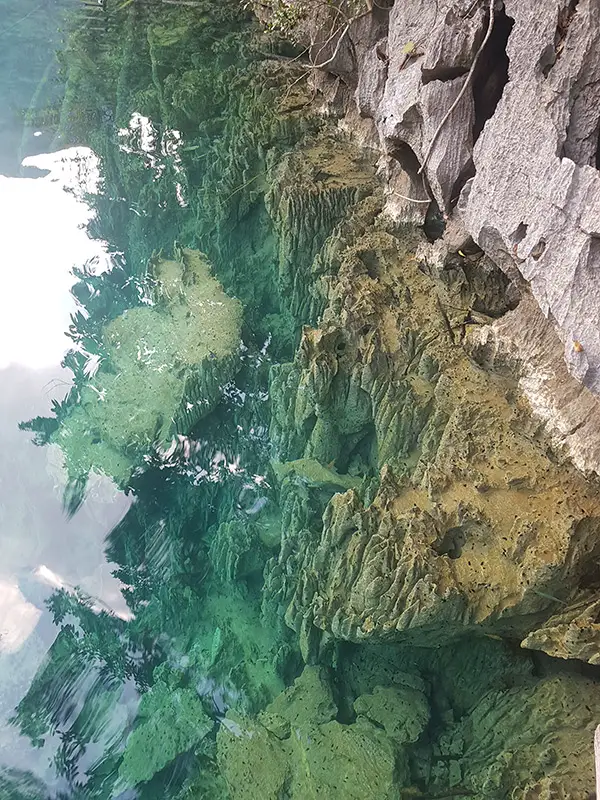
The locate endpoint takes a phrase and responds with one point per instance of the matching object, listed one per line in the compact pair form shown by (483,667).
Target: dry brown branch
(411,199)
(339,41)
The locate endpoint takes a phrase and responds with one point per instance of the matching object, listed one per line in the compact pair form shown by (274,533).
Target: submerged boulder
(165,369)
(171,720)
(296,748)
(481,726)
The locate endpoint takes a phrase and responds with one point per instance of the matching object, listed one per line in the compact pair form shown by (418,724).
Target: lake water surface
(155,279)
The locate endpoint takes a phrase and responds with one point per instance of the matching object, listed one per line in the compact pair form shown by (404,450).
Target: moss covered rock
(171,721)
(297,749)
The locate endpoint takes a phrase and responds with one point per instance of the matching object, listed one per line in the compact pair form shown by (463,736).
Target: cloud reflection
(43,222)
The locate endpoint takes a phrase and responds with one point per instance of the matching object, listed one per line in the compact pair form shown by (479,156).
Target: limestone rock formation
(573,632)
(171,721)
(498,733)
(165,368)
(464,517)
(516,162)
(532,743)
(297,747)
(310,192)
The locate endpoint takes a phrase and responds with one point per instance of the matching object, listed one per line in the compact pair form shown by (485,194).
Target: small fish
(549,597)
(257,506)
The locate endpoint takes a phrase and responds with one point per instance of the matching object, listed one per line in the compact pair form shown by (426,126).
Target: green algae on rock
(166,366)
(171,720)
(297,747)
(456,532)
(468,720)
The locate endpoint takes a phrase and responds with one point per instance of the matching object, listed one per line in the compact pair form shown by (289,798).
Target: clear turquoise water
(106,589)
(136,630)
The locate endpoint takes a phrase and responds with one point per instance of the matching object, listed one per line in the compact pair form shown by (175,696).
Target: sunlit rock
(572,632)
(468,519)
(504,138)
(165,369)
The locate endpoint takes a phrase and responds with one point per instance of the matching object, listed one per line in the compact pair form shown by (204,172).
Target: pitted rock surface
(465,517)
(517,160)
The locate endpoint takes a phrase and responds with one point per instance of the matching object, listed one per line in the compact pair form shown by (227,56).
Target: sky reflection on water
(44,237)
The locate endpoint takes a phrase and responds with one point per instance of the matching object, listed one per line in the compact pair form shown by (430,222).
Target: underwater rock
(525,343)
(498,732)
(533,743)
(314,473)
(236,550)
(171,720)
(165,369)
(310,191)
(402,711)
(296,748)
(235,660)
(470,520)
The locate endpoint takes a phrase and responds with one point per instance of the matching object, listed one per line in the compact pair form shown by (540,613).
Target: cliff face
(514,165)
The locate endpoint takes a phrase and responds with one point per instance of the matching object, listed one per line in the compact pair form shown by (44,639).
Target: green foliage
(286,16)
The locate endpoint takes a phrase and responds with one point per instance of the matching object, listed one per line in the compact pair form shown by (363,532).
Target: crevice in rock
(361,458)
(466,173)
(520,233)
(371,262)
(406,157)
(582,136)
(538,250)
(419,189)
(435,224)
(442,74)
(549,57)
(452,543)
(491,73)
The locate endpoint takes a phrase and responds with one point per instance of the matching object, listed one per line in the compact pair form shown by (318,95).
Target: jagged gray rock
(516,161)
